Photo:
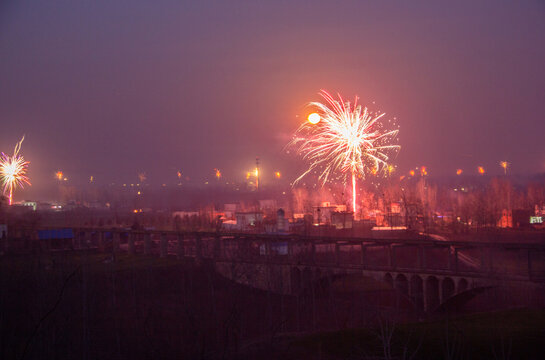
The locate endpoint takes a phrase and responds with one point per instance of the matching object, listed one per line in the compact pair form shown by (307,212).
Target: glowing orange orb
(314,118)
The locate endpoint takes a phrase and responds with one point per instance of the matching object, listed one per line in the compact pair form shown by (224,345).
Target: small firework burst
(13,171)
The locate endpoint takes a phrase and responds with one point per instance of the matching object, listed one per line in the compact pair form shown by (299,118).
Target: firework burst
(346,138)
(13,171)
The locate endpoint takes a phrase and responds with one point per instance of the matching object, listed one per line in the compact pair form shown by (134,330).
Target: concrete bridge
(430,273)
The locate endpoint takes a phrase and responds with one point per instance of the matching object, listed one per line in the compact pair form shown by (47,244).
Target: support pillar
(393,256)
(82,239)
(425,293)
(198,247)
(217,247)
(456,260)
(290,250)
(180,250)
(147,244)
(76,242)
(388,250)
(163,249)
(449,261)
(529,264)
(267,251)
(410,289)
(4,237)
(115,241)
(100,239)
(337,254)
(131,243)
(88,239)
(440,286)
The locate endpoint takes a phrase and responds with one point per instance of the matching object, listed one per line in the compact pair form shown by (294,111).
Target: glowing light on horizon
(59,175)
(505,165)
(459,171)
(142,177)
(411,172)
(423,171)
(278,174)
(348,138)
(481,170)
(13,171)
(218,174)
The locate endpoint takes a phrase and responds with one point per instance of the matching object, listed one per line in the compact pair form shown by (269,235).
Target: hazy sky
(111,88)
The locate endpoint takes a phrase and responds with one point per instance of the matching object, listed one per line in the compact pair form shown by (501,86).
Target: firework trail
(345,138)
(13,171)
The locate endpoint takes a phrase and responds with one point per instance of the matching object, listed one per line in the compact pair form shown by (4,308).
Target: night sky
(113,88)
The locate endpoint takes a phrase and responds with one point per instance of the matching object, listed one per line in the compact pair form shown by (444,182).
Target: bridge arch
(462,285)
(459,300)
(402,284)
(447,289)
(432,293)
(389,279)
(417,292)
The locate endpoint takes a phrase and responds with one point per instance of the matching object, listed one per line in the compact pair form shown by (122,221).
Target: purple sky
(111,88)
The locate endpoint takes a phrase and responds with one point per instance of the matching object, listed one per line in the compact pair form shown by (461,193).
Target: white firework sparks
(345,138)
(13,171)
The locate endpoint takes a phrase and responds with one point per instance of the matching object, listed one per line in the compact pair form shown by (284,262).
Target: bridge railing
(469,258)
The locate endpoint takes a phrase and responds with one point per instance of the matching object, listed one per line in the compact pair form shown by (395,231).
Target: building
(518,218)
(248,220)
(342,220)
(282,224)
(322,214)
(229,211)
(267,205)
